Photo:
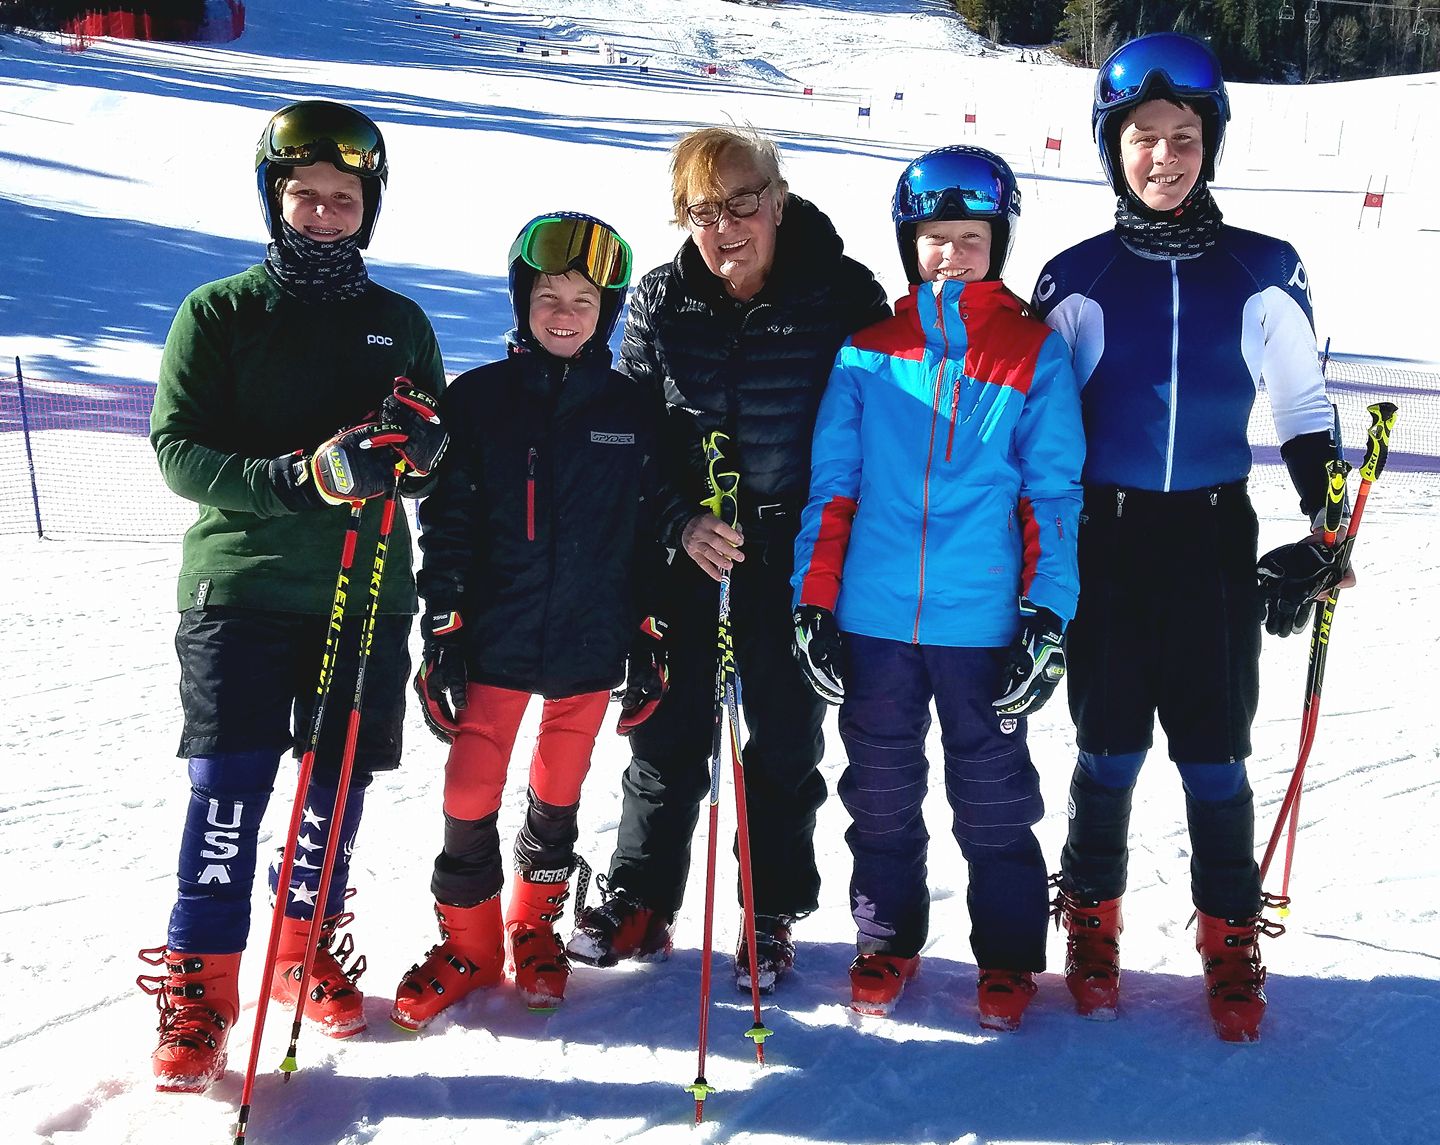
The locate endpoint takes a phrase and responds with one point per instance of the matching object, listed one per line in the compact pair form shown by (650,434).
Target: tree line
(1288,41)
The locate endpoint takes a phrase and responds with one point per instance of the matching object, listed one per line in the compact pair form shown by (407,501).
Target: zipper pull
(1119,503)
(1060,527)
(530,493)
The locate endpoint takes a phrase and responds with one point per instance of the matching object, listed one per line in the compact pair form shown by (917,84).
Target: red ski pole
(307,764)
(1377,448)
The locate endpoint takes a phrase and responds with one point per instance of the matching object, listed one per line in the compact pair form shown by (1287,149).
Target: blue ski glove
(647,677)
(441,681)
(816,647)
(1034,664)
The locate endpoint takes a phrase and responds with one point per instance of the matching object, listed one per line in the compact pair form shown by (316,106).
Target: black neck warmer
(314,271)
(1190,229)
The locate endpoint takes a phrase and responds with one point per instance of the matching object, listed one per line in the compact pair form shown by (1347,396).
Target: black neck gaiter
(1190,229)
(314,271)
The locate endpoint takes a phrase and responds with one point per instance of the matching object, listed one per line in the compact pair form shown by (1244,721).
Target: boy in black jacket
(533,542)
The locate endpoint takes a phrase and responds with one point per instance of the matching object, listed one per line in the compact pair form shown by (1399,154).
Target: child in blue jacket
(939,539)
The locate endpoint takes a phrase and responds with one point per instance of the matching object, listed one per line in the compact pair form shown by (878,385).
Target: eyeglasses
(1186,66)
(971,182)
(317,131)
(554,244)
(741,206)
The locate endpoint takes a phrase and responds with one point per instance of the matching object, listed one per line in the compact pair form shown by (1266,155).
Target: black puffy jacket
(753,369)
(541,529)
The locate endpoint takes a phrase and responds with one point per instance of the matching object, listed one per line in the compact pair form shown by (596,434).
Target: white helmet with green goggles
(318,131)
(563,241)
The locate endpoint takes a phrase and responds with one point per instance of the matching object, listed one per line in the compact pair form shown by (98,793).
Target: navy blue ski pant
(993,789)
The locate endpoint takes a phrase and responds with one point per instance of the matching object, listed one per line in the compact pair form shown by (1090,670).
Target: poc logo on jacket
(378,340)
(600,438)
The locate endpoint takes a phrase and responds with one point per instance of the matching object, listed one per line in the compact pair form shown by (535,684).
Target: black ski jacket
(541,526)
(753,369)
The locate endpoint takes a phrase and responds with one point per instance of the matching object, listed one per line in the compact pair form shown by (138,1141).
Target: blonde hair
(694,160)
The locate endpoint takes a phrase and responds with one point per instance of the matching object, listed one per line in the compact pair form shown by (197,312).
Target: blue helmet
(1163,65)
(959,182)
(318,131)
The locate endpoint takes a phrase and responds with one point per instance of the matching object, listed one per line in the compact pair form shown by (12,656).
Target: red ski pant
(489,723)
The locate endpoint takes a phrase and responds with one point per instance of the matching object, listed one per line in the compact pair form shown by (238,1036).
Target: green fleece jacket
(250,374)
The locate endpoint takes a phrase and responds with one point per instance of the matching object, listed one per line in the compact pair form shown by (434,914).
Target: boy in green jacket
(259,370)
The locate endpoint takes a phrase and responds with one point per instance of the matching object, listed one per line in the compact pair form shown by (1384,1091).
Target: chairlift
(1421,29)
(1312,16)
(1287,11)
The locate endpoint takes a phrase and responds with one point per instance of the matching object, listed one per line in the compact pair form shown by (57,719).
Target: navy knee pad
(1120,771)
(216,867)
(1212,782)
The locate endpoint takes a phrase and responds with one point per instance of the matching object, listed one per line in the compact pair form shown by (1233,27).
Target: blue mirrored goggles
(1185,66)
(968,185)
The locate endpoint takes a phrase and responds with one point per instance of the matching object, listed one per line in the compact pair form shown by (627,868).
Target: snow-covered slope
(126,179)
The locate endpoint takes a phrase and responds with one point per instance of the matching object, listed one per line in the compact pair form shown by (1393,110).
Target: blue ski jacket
(1169,353)
(945,473)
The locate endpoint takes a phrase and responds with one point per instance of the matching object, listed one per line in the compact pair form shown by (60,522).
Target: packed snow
(126,179)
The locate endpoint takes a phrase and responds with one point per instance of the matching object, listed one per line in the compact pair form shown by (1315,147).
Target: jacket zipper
(530,494)
(929,461)
(1174,370)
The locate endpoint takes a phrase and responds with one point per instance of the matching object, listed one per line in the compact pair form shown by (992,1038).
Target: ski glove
(417,414)
(352,466)
(817,648)
(1034,664)
(1291,578)
(441,681)
(647,677)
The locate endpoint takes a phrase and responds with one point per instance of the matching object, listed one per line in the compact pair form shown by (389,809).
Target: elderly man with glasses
(736,334)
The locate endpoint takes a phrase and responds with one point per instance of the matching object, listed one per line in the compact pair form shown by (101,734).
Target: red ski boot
(621,927)
(334,1004)
(470,956)
(878,980)
(199,998)
(1003,996)
(537,958)
(1234,977)
(1092,954)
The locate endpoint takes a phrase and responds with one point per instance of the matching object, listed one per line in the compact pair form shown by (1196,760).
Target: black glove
(647,677)
(1291,578)
(354,465)
(440,682)
(1034,664)
(417,415)
(817,647)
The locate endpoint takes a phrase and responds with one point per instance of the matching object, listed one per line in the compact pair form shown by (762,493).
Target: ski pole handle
(724,483)
(1377,444)
(1339,470)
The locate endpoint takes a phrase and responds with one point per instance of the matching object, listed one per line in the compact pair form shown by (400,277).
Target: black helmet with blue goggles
(1162,65)
(319,131)
(961,182)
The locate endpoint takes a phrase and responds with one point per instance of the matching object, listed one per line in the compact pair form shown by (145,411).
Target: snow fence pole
(1377,451)
(307,764)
